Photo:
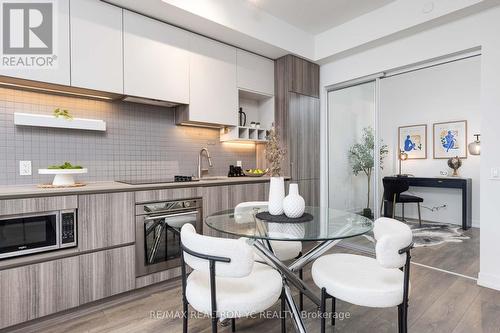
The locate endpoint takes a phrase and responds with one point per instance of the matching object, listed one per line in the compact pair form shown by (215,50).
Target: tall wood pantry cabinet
(297,119)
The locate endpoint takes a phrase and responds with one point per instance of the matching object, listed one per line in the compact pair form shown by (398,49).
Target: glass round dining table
(327,226)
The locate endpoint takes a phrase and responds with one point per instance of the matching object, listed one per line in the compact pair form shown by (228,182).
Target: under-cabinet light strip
(14,85)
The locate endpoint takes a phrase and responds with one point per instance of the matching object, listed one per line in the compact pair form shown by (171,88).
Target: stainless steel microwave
(33,233)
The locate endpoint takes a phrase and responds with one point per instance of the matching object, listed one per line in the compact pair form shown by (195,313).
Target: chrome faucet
(200,170)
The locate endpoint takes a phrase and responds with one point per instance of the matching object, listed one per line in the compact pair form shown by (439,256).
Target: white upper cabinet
(156,59)
(214,94)
(255,73)
(31,57)
(96,46)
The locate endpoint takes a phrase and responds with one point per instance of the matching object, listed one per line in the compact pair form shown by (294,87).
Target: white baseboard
(489,280)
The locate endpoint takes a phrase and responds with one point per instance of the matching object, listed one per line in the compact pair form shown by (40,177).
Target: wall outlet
(238,163)
(25,168)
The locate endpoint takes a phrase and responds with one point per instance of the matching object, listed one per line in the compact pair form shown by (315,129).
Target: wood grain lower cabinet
(41,204)
(167,194)
(218,198)
(246,192)
(106,273)
(38,290)
(105,220)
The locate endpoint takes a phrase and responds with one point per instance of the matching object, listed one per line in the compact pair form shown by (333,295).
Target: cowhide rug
(433,233)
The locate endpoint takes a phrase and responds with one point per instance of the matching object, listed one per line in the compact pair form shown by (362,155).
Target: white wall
(442,93)
(350,110)
(478,30)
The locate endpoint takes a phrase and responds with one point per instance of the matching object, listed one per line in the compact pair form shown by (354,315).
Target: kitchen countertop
(30,191)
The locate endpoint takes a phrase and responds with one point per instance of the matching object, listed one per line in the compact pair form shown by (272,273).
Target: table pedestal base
(290,278)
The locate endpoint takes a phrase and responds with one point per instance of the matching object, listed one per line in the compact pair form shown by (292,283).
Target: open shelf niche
(259,108)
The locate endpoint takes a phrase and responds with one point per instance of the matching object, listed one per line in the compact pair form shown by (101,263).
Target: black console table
(464,184)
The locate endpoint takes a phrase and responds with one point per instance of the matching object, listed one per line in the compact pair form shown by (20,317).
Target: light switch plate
(25,168)
(495,174)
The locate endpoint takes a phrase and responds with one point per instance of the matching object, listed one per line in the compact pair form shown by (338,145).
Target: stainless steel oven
(157,232)
(33,233)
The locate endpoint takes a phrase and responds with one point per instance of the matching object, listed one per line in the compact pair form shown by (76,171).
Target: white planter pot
(276,195)
(294,205)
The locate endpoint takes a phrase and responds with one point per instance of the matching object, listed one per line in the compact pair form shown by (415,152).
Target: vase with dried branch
(275,155)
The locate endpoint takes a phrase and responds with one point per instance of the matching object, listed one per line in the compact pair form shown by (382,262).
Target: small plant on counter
(63,113)
(66,165)
(275,154)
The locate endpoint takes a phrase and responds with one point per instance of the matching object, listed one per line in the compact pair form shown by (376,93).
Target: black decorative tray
(283,218)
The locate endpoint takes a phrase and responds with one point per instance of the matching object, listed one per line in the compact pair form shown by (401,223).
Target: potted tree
(362,160)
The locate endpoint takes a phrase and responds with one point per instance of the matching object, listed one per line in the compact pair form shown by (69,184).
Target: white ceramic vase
(294,205)
(276,195)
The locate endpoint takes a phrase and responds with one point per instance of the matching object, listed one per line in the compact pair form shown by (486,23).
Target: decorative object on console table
(275,155)
(293,204)
(413,141)
(450,139)
(403,156)
(455,163)
(362,160)
(475,146)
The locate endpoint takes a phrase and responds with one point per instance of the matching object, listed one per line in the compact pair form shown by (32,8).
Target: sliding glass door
(351,148)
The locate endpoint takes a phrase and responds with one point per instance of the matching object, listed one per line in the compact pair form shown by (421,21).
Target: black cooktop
(175,179)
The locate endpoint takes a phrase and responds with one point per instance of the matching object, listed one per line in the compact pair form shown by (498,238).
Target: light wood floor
(440,302)
(461,257)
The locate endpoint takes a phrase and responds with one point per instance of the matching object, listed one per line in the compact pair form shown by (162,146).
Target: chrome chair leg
(301,295)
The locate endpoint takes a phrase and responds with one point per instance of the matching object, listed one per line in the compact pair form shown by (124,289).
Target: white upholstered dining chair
(382,282)
(225,282)
(283,250)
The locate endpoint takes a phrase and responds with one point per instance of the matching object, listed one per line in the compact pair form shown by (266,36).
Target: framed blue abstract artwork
(450,139)
(413,141)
